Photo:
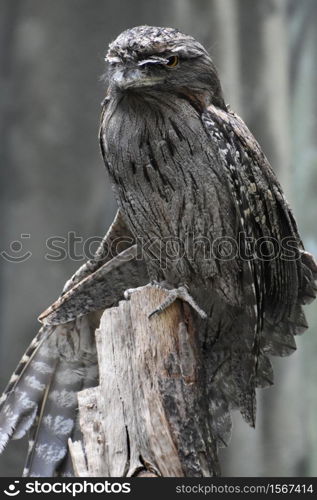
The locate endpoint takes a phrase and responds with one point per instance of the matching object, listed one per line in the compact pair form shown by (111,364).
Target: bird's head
(148,58)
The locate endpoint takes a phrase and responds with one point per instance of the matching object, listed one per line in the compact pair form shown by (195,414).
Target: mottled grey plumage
(187,174)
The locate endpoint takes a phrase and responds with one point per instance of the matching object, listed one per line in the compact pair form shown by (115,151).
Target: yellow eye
(172,61)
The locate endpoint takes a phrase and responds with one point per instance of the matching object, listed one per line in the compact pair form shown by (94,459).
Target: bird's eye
(172,61)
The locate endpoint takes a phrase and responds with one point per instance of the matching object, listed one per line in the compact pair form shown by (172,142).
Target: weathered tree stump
(148,416)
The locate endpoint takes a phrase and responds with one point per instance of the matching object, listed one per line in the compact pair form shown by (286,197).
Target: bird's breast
(165,171)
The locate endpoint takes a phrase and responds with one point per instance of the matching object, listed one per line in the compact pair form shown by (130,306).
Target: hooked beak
(134,78)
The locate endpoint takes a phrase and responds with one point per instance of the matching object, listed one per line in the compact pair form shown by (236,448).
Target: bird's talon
(178,293)
(156,311)
(127,293)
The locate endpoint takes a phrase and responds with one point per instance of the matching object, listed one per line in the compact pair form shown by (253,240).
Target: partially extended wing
(99,290)
(274,288)
(61,360)
(286,280)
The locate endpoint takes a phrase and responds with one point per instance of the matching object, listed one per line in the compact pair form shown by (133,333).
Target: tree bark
(148,415)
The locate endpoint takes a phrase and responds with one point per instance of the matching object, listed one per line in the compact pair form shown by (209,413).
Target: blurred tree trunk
(304,168)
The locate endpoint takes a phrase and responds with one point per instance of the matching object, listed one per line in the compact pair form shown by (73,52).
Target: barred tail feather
(42,394)
(57,416)
(57,421)
(21,398)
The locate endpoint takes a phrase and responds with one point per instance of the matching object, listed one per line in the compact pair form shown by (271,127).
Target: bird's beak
(133,78)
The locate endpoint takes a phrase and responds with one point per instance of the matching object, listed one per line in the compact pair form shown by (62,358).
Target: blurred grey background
(53,181)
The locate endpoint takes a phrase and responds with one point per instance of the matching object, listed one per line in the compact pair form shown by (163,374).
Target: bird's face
(147,58)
